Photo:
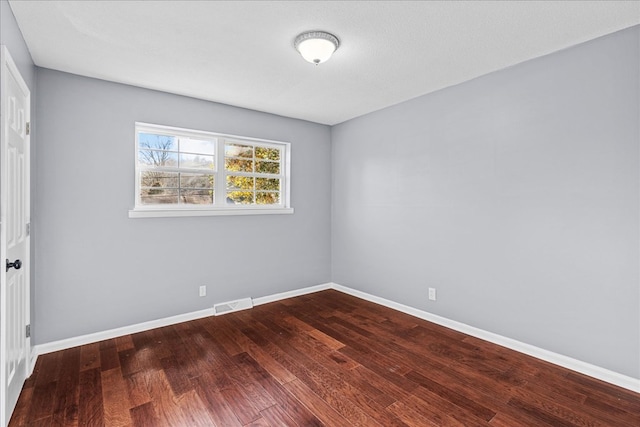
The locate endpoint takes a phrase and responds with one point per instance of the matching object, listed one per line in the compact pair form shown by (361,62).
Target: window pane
(196,197)
(194,181)
(157,180)
(237,150)
(239,197)
(196,161)
(267,198)
(267,184)
(237,165)
(267,153)
(159,196)
(268,167)
(157,158)
(239,182)
(157,142)
(188,145)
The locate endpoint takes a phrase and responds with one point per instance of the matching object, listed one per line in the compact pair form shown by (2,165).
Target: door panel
(14,239)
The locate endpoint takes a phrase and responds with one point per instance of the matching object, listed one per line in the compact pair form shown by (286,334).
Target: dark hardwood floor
(320,359)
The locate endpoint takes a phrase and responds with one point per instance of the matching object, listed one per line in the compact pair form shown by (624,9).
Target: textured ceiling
(241,52)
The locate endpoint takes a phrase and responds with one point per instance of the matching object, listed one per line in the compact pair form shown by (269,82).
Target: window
(182,172)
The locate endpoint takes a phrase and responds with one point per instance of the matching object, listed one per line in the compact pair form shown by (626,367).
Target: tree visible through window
(253,174)
(182,169)
(175,170)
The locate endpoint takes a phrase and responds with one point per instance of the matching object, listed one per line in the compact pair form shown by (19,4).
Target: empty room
(320,213)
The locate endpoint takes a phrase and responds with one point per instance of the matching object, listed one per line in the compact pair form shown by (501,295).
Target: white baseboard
(291,294)
(33,358)
(64,344)
(594,371)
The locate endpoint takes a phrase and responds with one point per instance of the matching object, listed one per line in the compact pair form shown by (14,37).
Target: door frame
(8,66)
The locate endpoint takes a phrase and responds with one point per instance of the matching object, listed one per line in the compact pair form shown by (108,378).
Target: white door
(14,235)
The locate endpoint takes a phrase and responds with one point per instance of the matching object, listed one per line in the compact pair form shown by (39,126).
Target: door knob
(16,264)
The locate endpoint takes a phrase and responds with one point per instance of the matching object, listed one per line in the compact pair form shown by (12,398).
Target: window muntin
(181,169)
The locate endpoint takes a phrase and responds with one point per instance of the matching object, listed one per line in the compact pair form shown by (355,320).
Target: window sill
(167,213)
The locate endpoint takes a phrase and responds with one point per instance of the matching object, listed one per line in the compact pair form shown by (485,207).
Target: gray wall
(11,37)
(99,269)
(515,195)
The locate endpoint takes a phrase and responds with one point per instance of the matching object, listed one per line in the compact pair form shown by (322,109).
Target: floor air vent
(228,307)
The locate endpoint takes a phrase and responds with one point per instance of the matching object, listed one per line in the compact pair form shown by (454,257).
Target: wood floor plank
(42,402)
(276,416)
(155,341)
(321,380)
(539,414)
(325,339)
(163,399)
(49,370)
(440,349)
(66,400)
(128,362)
(557,409)
(442,405)
(260,422)
(295,410)
(90,356)
(452,396)
(254,331)
(199,353)
(434,413)
(229,337)
(345,381)
(382,366)
(137,388)
(321,409)
(115,397)
(250,380)
(541,395)
(90,407)
(275,369)
(194,410)
(109,355)
(322,359)
(181,357)
(145,416)
(382,391)
(219,409)
(177,376)
(554,385)
(475,386)
(242,388)
(410,416)
(606,393)
(505,419)
(316,349)
(42,422)
(380,412)
(241,406)
(124,343)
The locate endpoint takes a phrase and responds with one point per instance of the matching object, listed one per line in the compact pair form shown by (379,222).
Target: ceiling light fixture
(316,46)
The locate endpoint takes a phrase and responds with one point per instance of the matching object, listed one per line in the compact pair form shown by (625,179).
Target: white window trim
(163,211)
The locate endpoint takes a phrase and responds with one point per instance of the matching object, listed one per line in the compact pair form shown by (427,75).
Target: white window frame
(219,207)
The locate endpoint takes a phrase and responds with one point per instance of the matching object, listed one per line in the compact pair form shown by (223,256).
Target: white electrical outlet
(432,294)
(203,290)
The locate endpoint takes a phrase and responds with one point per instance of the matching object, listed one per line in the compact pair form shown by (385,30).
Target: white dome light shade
(316,46)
